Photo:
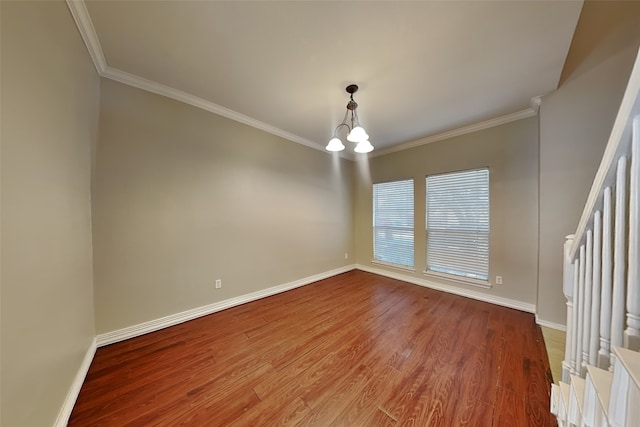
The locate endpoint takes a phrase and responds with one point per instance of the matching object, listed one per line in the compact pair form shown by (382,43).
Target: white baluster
(594,319)
(586,311)
(632,333)
(607,271)
(619,255)
(575,322)
(567,288)
(581,313)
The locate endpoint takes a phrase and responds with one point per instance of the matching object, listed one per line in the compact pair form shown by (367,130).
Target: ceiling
(423,67)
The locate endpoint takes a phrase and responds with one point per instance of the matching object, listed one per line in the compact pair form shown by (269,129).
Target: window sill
(396,266)
(458,279)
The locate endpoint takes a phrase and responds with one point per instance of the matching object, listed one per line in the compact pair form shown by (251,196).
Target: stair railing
(602,259)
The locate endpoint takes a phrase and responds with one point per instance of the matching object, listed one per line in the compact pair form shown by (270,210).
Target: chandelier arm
(335,132)
(344,119)
(344,123)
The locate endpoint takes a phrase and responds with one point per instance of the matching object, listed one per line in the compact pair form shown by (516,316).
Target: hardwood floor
(354,350)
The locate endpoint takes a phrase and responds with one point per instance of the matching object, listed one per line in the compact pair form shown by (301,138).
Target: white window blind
(393,222)
(458,224)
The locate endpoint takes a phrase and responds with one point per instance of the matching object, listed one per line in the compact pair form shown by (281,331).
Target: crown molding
(535,103)
(87,31)
(80,15)
(85,26)
(187,98)
(522,114)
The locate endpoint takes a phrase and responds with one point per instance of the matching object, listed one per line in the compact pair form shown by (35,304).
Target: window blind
(393,222)
(458,223)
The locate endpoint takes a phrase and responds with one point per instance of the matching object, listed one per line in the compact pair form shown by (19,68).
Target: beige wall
(575,123)
(182,197)
(511,153)
(50,94)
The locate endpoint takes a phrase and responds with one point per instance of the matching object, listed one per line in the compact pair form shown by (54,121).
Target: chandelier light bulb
(335,145)
(363,147)
(357,134)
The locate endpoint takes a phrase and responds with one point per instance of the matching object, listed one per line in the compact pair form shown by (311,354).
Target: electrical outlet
(218,283)
(346,255)
(498,280)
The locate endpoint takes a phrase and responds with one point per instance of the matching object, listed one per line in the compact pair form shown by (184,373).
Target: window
(458,224)
(393,222)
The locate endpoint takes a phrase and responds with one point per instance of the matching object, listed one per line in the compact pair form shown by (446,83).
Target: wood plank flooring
(354,350)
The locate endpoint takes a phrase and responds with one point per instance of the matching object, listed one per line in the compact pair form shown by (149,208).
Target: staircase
(600,384)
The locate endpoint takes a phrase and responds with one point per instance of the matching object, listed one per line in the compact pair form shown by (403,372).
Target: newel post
(567,288)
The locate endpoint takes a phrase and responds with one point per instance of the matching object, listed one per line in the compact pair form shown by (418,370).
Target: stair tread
(556,399)
(601,381)
(565,391)
(577,388)
(563,404)
(631,361)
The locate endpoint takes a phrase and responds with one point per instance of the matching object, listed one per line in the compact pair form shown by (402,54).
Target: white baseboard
(469,293)
(76,385)
(551,325)
(175,319)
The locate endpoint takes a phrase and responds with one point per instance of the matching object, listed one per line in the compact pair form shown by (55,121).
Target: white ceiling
(423,67)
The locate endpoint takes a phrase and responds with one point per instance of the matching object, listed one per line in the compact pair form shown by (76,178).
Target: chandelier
(356,133)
